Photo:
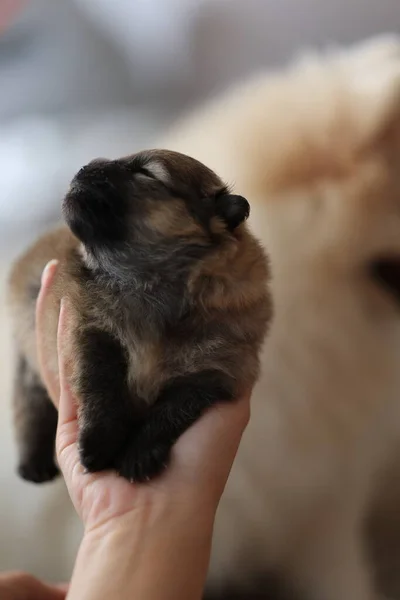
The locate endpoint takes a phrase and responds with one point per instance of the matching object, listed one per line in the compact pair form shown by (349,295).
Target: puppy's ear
(232,209)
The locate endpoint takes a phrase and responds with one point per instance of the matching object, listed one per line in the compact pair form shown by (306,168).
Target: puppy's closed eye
(155,170)
(386,272)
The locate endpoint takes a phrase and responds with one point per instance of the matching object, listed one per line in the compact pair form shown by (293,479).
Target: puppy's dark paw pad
(96,451)
(141,464)
(94,461)
(38,471)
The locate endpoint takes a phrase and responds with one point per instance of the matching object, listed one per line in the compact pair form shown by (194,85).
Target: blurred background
(84,78)
(87,78)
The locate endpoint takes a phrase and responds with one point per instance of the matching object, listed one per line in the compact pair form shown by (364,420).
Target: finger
(50,379)
(43,591)
(221,428)
(67,407)
(205,453)
(20,586)
(224,430)
(67,429)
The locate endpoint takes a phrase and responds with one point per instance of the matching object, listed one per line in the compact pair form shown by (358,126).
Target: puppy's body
(316,149)
(169,302)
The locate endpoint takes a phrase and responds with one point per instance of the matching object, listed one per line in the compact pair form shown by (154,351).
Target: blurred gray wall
(83,54)
(79,78)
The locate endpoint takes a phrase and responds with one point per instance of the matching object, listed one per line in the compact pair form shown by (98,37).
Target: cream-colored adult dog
(316,149)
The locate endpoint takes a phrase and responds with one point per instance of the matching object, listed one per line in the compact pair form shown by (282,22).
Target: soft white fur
(317,152)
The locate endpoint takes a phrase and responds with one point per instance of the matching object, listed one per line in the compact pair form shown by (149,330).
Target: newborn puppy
(168,293)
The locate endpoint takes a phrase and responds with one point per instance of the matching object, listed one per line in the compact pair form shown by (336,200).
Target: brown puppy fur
(168,292)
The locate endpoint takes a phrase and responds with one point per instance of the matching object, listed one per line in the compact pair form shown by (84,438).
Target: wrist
(155,551)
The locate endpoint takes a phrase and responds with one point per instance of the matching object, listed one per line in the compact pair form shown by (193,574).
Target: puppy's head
(150,208)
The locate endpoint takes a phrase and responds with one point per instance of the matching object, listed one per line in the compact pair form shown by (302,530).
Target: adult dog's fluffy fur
(168,291)
(316,149)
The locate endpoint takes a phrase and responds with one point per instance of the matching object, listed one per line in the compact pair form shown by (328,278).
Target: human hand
(130,529)
(22,586)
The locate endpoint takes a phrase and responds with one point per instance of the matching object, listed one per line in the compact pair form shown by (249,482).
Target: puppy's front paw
(143,459)
(38,470)
(98,449)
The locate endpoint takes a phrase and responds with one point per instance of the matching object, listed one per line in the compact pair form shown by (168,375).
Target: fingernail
(47,269)
(63,318)
(64,308)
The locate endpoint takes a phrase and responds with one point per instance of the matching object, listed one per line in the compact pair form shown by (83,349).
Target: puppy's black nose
(95,170)
(100,181)
(95,206)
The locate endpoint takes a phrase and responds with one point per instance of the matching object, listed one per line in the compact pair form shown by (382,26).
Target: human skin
(8,12)
(22,586)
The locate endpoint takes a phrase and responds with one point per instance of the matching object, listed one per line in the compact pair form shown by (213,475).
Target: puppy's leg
(107,409)
(36,424)
(181,403)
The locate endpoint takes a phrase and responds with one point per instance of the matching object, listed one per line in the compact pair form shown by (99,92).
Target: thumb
(67,408)
(67,429)
(49,377)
